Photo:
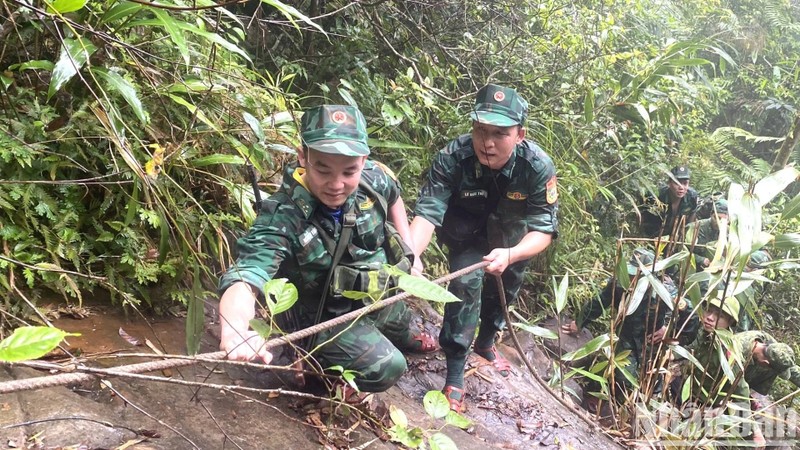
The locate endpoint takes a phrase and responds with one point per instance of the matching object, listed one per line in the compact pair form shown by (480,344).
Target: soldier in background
(672,208)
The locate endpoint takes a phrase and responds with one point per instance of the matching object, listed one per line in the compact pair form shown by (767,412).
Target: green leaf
(283,292)
(105,236)
(377,143)
(218,158)
(749,222)
(457,420)
(65,6)
(74,54)
(120,11)
(787,241)
(774,184)
(436,404)
(791,209)
(587,374)
(43,64)
(688,62)
(255,125)
(441,441)
(425,289)
(174,30)
(356,295)
(660,290)
(116,82)
(391,115)
(589,348)
(30,343)
(398,416)
(588,106)
(643,114)
(561,294)
(292,13)
(195,110)
(5,81)
(638,294)
(195,317)
(671,260)
(622,275)
(536,330)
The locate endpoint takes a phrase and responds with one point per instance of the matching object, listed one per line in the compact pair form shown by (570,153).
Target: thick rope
(79,377)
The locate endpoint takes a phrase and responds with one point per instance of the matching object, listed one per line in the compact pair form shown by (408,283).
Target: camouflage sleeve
(792,374)
(439,186)
(594,308)
(542,203)
(261,251)
(383,180)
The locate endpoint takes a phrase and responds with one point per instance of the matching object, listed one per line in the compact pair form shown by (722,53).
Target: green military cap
(499,106)
(643,255)
(729,306)
(681,172)
(335,129)
(758,259)
(721,205)
(780,356)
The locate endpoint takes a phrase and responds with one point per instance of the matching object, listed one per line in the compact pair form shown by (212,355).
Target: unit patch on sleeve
(516,195)
(552,190)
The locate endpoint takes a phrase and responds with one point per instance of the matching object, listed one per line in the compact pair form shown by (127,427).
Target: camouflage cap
(729,306)
(721,205)
(643,255)
(335,129)
(499,106)
(681,172)
(758,259)
(780,356)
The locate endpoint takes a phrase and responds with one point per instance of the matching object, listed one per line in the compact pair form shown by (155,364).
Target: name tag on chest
(477,193)
(309,235)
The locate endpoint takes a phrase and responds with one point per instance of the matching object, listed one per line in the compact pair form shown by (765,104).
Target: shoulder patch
(368,203)
(386,169)
(552,190)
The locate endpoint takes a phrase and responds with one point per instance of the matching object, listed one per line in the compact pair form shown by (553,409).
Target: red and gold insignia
(682,305)
(516,196)
(366,204)
(338,117)
(552,190)
(499,96)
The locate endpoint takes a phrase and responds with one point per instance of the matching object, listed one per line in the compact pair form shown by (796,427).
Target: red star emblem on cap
(338,117)
(499,96)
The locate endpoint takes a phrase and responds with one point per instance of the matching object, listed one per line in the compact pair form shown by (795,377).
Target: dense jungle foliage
(126,126)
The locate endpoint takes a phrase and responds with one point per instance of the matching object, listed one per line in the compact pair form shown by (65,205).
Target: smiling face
(678,190)
(331,178)
(494,145)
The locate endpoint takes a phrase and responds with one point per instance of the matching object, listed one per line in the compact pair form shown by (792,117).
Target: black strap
(348,223)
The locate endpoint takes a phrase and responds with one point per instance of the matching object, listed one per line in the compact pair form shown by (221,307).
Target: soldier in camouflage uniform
(675,201)
(491,196)
(707,231)
(319,195)
(643,329)
(766,359)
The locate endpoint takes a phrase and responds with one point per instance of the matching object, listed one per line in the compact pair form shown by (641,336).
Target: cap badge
(339,117)
(499,96)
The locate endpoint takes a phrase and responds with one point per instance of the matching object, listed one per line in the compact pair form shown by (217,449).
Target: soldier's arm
(792,374)
(432,202)
(236,309)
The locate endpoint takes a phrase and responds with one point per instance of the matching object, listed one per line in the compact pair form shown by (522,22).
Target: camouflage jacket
(466,201)
(656,211)
(650,316)
(285,243)
(761,378)
(712,383)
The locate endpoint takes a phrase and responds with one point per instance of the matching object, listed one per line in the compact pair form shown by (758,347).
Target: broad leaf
(623,278)
(457,420)
(120,11)
(589,348)
(660,290)
(398,416)
(292,13)
(638,294)
(787,241)
(280,295)
(218,158)
(792,208)
(749,223)
(255,125)
(424,289)
(74,54)
(561,294)
(436,404)
(65,6)
(117,83)
(536,330)
(30,343)
(174,30)
(441,441)
(775,183)
(671,261)
(195,317)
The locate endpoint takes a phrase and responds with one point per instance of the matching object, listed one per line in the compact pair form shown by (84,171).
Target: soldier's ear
(520,134)
(302,153)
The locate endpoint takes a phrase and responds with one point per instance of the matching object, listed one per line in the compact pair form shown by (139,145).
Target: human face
(760,354)
(715,318)
(331,178)
(494,145)
(678,190)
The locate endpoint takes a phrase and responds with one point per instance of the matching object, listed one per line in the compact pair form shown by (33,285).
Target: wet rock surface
(513,412)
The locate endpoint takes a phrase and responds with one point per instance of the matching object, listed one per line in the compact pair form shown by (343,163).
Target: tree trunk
(782,158)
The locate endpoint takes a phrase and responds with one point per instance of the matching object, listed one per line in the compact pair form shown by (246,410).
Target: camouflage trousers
(370,346)
(479,299)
